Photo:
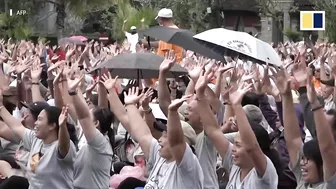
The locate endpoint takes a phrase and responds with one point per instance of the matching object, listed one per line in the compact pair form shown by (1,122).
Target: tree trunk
(60,9)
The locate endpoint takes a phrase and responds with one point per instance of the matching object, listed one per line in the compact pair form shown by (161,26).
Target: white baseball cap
(133,28)
(164,13)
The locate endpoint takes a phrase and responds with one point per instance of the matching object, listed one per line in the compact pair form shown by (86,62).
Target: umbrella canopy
(69,40)
(79,37)
(233,43)
(182,38)
(139,66)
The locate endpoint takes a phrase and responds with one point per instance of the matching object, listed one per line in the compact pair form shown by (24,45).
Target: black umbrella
(139,66)
(182,38)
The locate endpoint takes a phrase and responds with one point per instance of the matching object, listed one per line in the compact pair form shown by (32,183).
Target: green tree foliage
(329,7)
(15,27)
(124,10)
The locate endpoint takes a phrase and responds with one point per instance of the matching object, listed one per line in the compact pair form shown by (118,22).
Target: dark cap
(35,107)
(160,125)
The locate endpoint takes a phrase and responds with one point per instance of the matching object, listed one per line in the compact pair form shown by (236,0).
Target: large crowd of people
(233,125)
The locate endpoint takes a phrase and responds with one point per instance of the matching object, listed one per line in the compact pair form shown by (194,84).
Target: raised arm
(174,130)
(137,127)
(14,124)
(63,134)
(163,91)
(290,121)
(211,127)
(324,132)
(116,106)
(81,108)
(247,135)
(36,72)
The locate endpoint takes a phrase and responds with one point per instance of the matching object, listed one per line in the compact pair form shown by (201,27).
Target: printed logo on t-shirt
(34,161)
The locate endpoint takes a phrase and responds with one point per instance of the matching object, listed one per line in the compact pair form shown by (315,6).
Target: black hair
(264,142)
(94,99)
(105,118)
(332,112)
(53,114)
(185,79)
(311,151)
(250,98)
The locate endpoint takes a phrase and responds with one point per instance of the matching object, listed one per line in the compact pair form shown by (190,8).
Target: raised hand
(74,83)
(236,94)
(59,76)
(168,62)
(36,71)
(23,65)
(311,92)
(146,98)
(108,81)
(133,96)
(202,82)
(195,72)
(177,103)
(64,116)
(282,81)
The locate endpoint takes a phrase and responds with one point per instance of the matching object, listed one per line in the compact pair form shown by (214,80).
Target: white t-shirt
(252,179)
(133,40)
(164,175)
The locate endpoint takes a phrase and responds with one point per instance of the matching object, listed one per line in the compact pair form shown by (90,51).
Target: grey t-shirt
(331,184)
(252,179)
(93,164)
(164,175)
(207,156)
(8,148)
(51,171)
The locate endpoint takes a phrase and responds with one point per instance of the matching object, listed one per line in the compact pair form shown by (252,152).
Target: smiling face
(239,154)
(165,151)
(309,171)
(42,128)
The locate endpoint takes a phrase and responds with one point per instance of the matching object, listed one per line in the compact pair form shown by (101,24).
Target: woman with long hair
(94,159)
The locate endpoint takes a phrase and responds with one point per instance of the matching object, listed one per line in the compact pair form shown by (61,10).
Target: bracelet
(317,108)
(148,111)
(72,93)
(35,83)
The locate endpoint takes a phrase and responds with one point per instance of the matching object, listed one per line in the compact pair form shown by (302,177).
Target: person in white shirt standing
(132,37)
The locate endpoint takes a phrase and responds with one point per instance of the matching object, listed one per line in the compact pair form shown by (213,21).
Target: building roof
(239,5)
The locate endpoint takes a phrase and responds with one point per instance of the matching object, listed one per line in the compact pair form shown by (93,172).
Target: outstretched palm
(236,94)
(281,81)
(132,97)
(74,83)
(108,81)
(174,106)
(203,80)
(168,62)
(64,115)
